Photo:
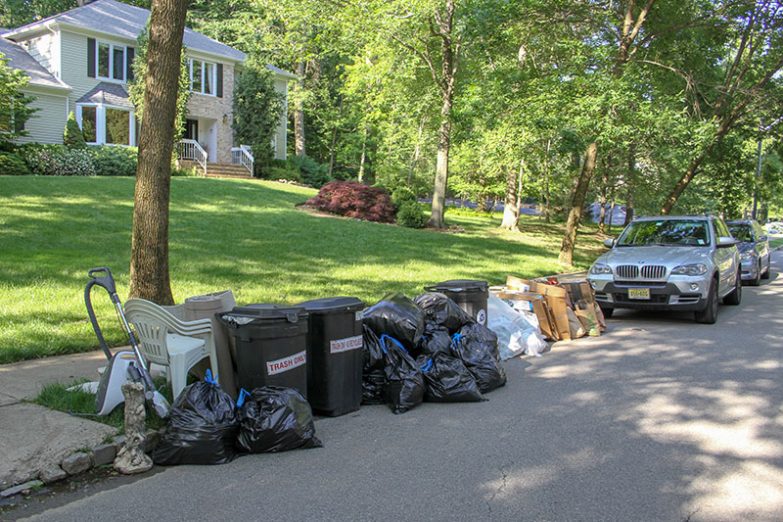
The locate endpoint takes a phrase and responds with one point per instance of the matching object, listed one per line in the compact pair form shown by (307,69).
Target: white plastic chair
(171,342)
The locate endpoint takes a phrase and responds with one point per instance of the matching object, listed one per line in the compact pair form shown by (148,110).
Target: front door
(191,129)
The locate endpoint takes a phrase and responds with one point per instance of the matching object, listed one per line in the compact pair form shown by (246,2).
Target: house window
(203,77)
(90,124)
(111,61)
(117,127)
(107,125)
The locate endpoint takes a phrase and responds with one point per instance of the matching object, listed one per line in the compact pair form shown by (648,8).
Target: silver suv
(670,263)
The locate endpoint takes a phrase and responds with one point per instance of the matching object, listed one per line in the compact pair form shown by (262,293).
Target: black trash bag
(201,429)
(446,379)
(435,339)
(273,418)
(373,376)
(397,316)
(477,347)
(404,381)
(443,311)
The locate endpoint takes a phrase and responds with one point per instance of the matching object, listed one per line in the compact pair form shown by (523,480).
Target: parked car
(775,227)
(680,263)
(754,249)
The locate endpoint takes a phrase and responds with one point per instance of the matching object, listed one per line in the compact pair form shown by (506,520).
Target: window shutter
(219,80)
(91,57)
(130,53)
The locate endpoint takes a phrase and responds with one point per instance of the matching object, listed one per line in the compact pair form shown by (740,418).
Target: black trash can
(334,355)
(270,345)
(470,295)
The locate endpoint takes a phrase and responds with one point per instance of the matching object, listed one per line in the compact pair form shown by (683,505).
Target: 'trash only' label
(286,363)
(347,344)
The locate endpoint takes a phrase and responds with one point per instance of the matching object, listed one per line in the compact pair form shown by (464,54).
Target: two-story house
(80,61)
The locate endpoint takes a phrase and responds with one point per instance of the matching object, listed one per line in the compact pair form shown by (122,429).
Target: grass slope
(246,236)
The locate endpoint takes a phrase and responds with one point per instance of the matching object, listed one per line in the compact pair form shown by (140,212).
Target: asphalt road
(659,419)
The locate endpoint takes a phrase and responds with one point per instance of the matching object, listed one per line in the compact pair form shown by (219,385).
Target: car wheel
(735,297)
(757,280)
(765,275)
(608,312)
(710,313)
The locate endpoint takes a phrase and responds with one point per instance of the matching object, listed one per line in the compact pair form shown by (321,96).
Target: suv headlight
(600,268)
(695,269)
(747,256)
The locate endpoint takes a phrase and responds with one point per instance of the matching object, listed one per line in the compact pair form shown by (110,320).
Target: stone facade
(219,110)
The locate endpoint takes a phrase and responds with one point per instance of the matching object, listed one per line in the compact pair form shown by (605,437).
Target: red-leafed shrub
(355,200)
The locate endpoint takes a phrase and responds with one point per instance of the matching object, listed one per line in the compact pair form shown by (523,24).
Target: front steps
(218,170)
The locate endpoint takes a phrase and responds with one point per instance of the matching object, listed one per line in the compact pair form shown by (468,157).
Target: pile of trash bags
(206,426)
(426,349)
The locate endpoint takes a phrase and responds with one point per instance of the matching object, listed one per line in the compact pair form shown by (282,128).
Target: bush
(411,214)
(312,172)
(356,200)
(58,160)
(114,161)
(402,195)
(12,164)
(73,138)
(276,173)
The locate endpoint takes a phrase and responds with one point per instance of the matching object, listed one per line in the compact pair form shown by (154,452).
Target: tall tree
(633,20)
(755,58)
(149,269)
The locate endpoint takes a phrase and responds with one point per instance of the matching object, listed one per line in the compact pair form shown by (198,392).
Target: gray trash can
(206,307)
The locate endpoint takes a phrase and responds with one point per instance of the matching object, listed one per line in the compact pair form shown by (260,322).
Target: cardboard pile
(564,305)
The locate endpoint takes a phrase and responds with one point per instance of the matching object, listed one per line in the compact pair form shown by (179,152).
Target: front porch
(199,150)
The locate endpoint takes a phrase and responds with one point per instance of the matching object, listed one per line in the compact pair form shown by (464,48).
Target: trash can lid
(243,315)
(459,285)
(328,305)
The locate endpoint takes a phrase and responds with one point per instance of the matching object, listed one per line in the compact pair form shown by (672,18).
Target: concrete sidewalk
(35,438)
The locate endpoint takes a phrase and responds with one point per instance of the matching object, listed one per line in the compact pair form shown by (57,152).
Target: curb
(80,462)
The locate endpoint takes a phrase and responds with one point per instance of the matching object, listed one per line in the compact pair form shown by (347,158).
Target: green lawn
(775,243)
(243,235)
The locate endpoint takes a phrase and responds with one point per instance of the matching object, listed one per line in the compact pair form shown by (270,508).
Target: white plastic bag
(516,334)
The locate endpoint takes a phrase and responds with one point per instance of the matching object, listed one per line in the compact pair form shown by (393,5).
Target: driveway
(659,419)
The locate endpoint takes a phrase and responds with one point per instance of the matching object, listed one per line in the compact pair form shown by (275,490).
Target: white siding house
(80,61)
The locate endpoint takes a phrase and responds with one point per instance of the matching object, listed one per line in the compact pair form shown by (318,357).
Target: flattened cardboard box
(546,321)
(556,299)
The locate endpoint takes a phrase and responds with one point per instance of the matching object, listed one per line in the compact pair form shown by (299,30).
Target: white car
(670,263)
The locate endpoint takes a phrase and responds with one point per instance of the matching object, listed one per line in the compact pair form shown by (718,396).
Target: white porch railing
(242,156)
(190,150)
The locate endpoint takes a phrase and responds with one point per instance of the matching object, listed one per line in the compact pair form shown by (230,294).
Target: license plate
(638,293)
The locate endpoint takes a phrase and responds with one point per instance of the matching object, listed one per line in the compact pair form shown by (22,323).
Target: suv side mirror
(763,238)
(609,243)
(725,242)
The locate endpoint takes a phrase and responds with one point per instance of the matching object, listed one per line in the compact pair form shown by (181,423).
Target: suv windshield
(742,232)
(666,232)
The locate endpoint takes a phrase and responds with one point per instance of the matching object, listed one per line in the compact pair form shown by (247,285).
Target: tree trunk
(547,196)
(685,180)
(442,166)
(577,203)
(611,218)
(448,73)
(299,128)
(416,151)
(511,202)
(630,181)
(363,157)
(332,151)
(603,200)
(149,268)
